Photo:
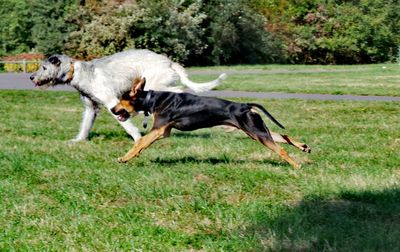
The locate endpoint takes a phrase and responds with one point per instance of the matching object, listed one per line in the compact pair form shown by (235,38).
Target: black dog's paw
(306,148)
(122,160)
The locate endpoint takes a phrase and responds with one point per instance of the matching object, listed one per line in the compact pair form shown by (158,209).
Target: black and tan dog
(187,112)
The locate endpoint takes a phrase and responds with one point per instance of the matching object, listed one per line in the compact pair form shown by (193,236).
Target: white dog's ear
(54,60)
(138,85)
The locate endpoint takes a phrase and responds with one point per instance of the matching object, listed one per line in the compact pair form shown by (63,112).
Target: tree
(335,31)
(15,27)
(101,32)
(236,34)
(172,27)
(50,28)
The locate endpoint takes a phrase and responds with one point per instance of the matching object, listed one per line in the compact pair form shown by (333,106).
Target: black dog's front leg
(145,142)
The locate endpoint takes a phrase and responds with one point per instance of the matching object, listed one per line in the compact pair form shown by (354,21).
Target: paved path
(277,95)
(22,82)
(268,71)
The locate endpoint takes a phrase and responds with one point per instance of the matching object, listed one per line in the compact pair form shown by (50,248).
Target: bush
(190,32)
(165,27)
(212,32)
(236,34)
(19,67)
(12,67)
(50,29)
(16,63)
(103,32)
(172,28)
(338,32)
(15,35)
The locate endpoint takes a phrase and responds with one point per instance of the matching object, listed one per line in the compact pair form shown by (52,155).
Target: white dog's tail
(196,87)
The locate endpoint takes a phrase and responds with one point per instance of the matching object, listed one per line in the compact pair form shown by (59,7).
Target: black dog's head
(129,101)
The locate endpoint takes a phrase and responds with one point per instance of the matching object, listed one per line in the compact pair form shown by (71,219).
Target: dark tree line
(207,32)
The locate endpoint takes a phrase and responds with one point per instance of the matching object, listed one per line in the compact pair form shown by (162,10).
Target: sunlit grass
(203,190)
(377,79)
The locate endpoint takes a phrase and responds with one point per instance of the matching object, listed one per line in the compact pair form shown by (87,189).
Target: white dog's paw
(76,140)
(136,138)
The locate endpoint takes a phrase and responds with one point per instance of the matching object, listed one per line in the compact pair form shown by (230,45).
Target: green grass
(205,190)
(379,79)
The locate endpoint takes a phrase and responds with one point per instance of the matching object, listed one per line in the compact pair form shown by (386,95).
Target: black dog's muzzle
(122,114)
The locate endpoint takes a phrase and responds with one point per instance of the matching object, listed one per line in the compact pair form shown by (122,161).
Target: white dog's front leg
(131,129)
(89,116)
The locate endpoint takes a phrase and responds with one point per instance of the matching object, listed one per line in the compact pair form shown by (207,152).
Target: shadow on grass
(105,134)
(191,135)
(108,135)
(353,221)
(211,160)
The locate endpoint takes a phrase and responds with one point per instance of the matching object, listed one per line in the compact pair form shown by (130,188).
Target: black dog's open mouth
(122,115)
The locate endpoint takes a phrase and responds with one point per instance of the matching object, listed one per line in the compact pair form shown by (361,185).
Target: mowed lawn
(377,79)
(205,190)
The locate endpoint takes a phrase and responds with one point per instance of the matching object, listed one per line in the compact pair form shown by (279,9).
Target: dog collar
(146,103)
(71,72)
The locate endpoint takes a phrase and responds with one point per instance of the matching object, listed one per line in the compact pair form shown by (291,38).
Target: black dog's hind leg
(252,124)
(278,138)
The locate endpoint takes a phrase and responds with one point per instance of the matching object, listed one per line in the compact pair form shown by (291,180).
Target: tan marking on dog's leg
(278,138)
(281,152)
(145,142)
(254,110)
(273,146)
(227,128)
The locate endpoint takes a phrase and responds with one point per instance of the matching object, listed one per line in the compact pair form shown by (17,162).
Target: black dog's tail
(266,113)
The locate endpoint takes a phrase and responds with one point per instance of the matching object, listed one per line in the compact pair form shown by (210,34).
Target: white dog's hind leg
(89,116)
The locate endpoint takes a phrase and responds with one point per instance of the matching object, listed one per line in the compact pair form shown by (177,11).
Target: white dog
(104,80)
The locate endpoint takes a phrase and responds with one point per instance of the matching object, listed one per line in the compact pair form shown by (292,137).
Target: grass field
(200,191)
(378,79)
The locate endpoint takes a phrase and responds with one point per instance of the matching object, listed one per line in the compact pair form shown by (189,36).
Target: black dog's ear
(138,85)
(54,60)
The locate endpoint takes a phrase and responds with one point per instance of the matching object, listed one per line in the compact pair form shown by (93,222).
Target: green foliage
(171,27)
(163,26)
(338,31)
(199,32)
(101,33)
(236,34)
(49,28)
(192,32)
(15,27)
(37,25)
